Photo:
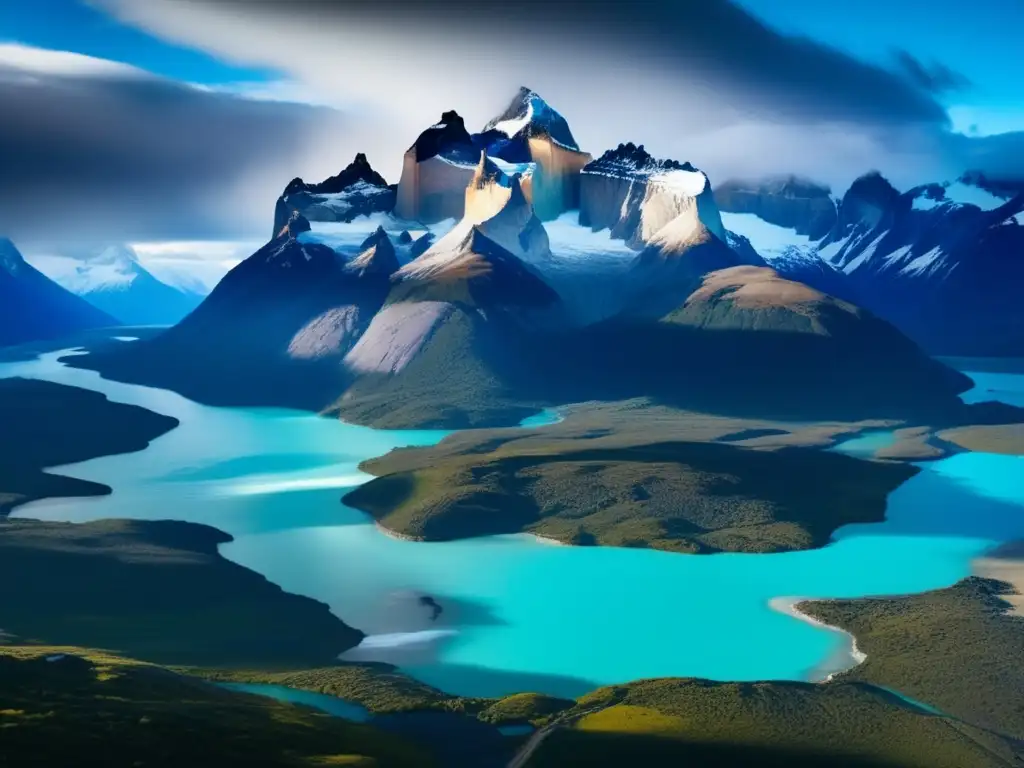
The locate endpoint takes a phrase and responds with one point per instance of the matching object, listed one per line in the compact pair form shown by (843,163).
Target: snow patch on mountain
(514,125)
(865,255)
(769,240)
(691,183)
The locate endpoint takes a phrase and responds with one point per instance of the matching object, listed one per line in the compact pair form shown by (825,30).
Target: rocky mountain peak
(867,203)
(632,159)
(529,115)
(872,188)
(448,137)
(377,256)
(359,170)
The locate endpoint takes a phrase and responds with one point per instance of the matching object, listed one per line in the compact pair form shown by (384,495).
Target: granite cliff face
(34,307)
(357,191)
(634,195)
(435,172)
(529,138)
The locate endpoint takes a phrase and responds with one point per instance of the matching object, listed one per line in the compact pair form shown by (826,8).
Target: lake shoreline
(790,606)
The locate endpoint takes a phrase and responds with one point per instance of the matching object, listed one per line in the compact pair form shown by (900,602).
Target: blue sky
(71,25)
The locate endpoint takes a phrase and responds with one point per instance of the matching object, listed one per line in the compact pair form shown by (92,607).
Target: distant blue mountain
(33,307)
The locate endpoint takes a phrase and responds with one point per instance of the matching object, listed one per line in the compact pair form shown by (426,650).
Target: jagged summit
(632,159)
(503,215)
(377,256)
(357,191)
(476,270)
(528,116)
(359,170)
(447,138)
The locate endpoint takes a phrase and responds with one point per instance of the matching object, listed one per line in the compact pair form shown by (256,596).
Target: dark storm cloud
(934,78)
(115,156)
(714,41)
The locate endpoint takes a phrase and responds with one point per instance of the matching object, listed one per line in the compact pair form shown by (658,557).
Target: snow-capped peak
(528,115)
(116,267)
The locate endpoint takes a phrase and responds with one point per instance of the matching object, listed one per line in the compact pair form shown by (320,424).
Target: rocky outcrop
(634,195)
(797,204)
(358,190)
(34,307)
(490,188)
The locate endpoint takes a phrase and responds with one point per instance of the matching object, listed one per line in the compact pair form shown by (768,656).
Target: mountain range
(113,280)
(943,262)
(509,270)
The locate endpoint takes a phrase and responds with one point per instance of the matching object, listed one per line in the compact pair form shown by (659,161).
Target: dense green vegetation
(611,488)
(697,722)
(157,591)
(380,688)
(956,649)
(91,709)
(44,425)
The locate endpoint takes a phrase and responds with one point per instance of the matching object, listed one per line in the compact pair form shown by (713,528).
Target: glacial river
(519,614)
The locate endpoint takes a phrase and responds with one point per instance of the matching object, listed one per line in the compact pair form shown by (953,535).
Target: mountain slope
(747,341)
(34,307)
(452,344)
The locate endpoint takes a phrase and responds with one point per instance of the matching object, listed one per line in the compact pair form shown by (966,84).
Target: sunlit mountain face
(447,384)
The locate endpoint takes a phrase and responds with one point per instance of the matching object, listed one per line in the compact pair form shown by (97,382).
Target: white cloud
(43,61)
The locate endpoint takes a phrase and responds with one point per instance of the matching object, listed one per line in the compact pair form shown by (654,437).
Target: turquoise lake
(520,614)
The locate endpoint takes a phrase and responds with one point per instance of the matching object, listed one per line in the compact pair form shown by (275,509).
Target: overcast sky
(162,120)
